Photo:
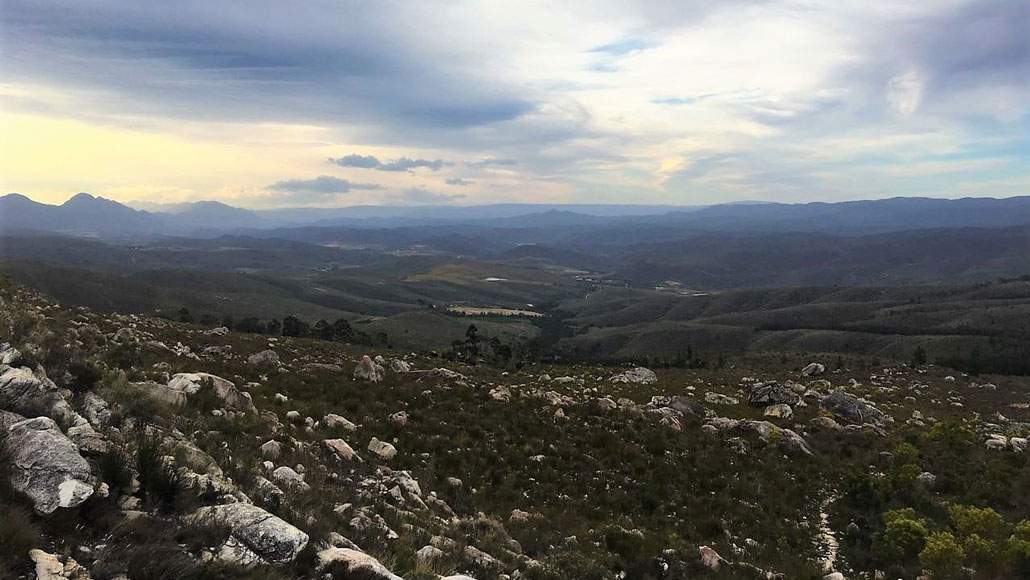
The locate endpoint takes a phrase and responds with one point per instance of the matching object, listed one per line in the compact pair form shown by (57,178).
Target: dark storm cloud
(329,62)
(400,164)
(323,185)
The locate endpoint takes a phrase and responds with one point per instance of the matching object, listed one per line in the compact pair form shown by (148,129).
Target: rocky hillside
(138,448)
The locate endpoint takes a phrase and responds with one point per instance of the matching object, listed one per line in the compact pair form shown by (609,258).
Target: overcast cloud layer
(343,102)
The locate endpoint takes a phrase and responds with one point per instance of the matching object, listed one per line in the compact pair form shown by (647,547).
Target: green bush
(942,556)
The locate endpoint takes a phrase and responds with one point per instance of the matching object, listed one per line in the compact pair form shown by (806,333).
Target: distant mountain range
(87,215)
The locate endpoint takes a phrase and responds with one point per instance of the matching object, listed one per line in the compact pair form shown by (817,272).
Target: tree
(942,556)
(919,356)
(342,330)
(273,327)
(293,326)
(184,315)
(324,330)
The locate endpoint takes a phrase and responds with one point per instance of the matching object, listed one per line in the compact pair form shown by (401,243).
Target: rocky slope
(143,449)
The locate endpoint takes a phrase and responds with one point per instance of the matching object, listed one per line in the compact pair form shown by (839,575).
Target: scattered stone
(400,418)
(399,366)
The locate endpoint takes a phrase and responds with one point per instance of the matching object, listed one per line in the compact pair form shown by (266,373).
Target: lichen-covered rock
(96,410)
(368,370)
(25,393)
(780,411)
(46,465)
(638,375)
(183,386)
(850,409)
(8,354)
(264,534)
(265,358)
(685,405)
(771,393)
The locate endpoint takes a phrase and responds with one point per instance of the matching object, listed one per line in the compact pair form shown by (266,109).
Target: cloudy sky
(347,102)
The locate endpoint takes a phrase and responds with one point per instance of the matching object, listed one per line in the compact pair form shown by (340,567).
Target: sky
(333,103)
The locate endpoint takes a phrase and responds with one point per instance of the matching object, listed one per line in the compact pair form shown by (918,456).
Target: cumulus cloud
(323,185)
(399,164)
(743,99)
(905,93)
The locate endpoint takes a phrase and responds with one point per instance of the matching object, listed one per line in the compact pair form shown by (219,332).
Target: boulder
(290,478)
(260,532)
(322,367)
(685,405)
(426,555)
(638,376)
(720,399)
(265,358)
(25,393)
(710,558)
(850,409)
(8,354)
(353,564)
(334,421)
(771,393)
(368,370)
(268,493)
(339,449)
(54,567)
(271,449)
(779,411)
(381,448)
(813,370)
(399,366)
(96,410)
(46,465)
(183,386)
